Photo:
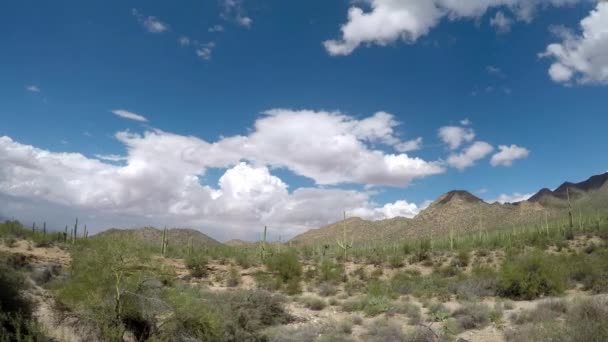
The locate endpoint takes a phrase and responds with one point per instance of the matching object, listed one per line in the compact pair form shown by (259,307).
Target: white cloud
(331,148)
(455,136)
(409,146)
(233,10)
(216,28)
(511,198)
(478,150)
(387,21)
(508,154)
(160,183)
(184,41)
(150,23)
(501,22)
(466,122)
(162,177)
(205,51)
(390,210)
(244,21)
(495,71)
(583,57)
(32,88)
(129,115)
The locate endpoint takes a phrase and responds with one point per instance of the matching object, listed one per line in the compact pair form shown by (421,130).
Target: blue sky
(207,71)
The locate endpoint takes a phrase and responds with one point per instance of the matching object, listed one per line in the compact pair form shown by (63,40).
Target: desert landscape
(543,276)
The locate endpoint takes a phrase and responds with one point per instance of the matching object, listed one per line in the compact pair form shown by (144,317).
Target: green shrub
(438,312)
(531,276)
(16,323)
(227,316)
(396,261)
(286,266)
(267,282)
(331,272)
(234,277)
(462,259)
(197,264)
(244,260)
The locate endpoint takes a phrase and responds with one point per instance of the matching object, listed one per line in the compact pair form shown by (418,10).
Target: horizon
(229,116)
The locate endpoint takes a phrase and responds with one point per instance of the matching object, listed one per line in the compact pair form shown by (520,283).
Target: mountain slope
(461,212)
(149,235)
(575,190)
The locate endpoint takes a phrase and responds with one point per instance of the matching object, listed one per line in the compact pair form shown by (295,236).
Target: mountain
(575,190)
(356,229)
(149,235)
(238,243)
(461,212)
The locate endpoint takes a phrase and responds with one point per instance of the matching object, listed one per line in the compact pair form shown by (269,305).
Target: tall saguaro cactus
(65,234)
(75,235)
(165,242)
(263,245)
(570,218)
(44,228)
(343,244)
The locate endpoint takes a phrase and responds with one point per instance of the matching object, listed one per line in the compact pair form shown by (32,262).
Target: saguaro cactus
(343,244)
(263,245)
(165,242)
(570,218)
(34,227)
(75,235)
(44,228)
(65,234)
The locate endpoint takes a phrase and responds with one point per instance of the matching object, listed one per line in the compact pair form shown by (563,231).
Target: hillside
(461,212)
(592,191)
(149,235)
(238,243)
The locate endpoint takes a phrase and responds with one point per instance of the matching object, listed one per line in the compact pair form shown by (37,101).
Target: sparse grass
(584,320)
(473,316)
(313,303)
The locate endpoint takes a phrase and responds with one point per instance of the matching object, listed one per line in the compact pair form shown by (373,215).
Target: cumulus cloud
(582,58)
(387,21)
(455,136)
(129,115)
(331,148)
(400,208)
(501,22)
(160,179)
(508,154)
(467,158)
(150,23)
(511,198)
